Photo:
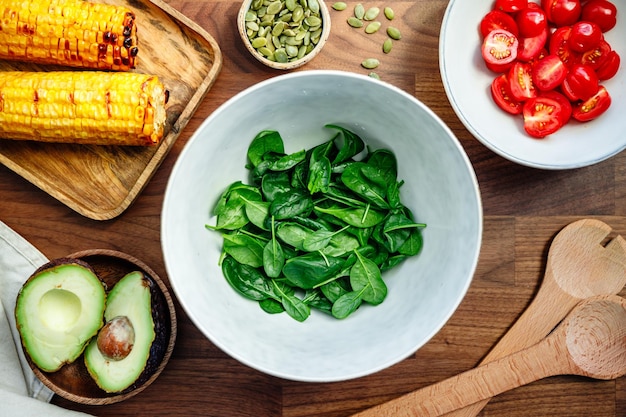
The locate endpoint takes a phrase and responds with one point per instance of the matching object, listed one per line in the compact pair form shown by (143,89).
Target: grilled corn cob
(68,32)
(91,107)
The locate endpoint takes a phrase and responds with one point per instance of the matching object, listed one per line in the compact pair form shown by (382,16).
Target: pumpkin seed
(259,42)
(394,33)
(281,55)
(389,13)
(298,14)
(359,11)
(387,45)
(371,13)
(339,6)
(370,63)
(374,75)
(290,5)
(355,22)
(314,6)
(274,7)
(372,27)
(313,21)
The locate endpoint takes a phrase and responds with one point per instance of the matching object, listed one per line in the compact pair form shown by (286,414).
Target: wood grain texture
(100,182)
(524,209)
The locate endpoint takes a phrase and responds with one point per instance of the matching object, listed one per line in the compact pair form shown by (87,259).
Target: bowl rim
(326,23)
(304,74)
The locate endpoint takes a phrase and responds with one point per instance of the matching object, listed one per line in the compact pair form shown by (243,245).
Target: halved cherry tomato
(531,21)
(562,12)
(580,83)
(496,19)
(609,66)
(542,116)
(510,6)
(601,12)
(529,48)
(584,36)
(548,73)
(501,93)
(559,46)
(592,107)
(595,56)
(521,81)
(500,47)
(566,105)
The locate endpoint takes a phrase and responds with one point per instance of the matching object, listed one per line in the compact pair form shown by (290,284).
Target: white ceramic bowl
(467,83)
(441,190)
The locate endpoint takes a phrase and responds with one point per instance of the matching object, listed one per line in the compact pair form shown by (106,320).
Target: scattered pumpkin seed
(359,11)
(371,13)
(355,22)
(339,6)
(370,63)
(389,13)
(394,33)
(372,27)
(374,75)
(387,45)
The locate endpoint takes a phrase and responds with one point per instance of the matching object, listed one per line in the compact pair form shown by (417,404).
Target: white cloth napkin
(21,393)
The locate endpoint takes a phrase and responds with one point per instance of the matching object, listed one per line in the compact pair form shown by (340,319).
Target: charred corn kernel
(89,107)
(76,33)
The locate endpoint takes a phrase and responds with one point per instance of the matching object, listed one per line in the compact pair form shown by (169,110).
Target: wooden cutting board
(100,182)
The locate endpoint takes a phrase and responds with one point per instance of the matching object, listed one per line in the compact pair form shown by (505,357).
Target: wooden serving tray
(100,182)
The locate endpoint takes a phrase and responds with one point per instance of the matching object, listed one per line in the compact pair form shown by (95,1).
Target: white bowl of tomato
(546,87)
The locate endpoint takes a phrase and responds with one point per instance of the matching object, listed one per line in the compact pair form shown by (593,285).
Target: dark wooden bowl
(73,381)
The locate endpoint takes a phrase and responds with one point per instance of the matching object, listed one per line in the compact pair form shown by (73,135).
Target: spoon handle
(539,361)
(547,309)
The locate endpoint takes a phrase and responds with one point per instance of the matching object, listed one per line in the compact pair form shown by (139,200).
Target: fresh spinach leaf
(264,142)
(309,270)
(366,279)
(346,305)
(291,204)
(246,280)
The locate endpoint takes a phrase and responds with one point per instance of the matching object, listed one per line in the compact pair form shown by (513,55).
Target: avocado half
(118,356)
(58,310)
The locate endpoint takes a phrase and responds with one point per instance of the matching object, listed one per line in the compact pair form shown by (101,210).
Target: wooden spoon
(578,267)
(591,341)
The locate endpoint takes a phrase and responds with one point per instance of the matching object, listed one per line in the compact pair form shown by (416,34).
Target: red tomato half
(496,19)
(566,105)
(531,21)
(593,107)
(584,36)
(559,46)
(609,66)
(580,83)
(562,12)
(548,73)
(510,6)
(521,81)
(501,94)
(595,56)
(500,47)
(529,48)
(601,12)
(542,116)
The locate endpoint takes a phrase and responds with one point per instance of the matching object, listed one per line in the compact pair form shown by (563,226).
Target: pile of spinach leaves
(317,227)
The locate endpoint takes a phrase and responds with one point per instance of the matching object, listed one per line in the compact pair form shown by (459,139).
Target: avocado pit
(116,338)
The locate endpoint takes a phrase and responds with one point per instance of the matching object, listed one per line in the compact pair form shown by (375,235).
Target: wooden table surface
(523,209)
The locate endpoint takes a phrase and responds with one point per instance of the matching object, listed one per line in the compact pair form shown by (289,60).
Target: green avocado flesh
(58,310)
(129,298)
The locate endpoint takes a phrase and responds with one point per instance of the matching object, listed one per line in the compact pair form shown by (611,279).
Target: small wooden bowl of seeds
(284,34)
